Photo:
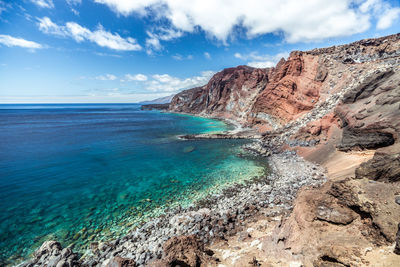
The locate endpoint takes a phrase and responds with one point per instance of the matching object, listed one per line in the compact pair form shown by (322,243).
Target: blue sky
(97,51)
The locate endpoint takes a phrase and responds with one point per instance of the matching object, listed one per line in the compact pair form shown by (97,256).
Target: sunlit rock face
(230,93)
(363,73)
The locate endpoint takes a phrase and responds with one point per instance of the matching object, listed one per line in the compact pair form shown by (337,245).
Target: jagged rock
(370,112)
(333,224)
(367,87)
(384,166)
(322,72)
(229,93)
(184,251)
(364,198)
(352,139)
(293,88)
(52,254)
(334,213)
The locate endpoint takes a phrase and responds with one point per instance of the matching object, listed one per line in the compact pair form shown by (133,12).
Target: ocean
(80,173)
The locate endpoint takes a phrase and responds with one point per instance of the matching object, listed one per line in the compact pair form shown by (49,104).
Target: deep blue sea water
(82,173)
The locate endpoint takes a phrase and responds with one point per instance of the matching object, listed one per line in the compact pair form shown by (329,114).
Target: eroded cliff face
(293,88)
(230,94)
(306,87)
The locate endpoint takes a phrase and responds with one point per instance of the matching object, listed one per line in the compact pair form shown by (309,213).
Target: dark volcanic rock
(384,166)
(367,87)
(155,106)
(370,112)
(364,139)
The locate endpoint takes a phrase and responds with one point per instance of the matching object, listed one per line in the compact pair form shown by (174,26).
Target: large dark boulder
(384,166)
(352,139)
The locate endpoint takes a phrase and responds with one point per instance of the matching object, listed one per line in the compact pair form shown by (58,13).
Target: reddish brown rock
(318,128)
(292,89)
(229,93)
(121,262)
(184,251)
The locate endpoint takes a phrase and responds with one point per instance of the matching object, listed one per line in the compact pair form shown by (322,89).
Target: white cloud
(4,7)
(299,21)
(261,61)
(179,57)
(106,77)
(10,41)
(107,55)
(383,11)
(76,12)
(387,19)
(74,2)
(168,83)
(261,64)
(207,55)
(137,77)
(49,27)
(164,34)
(100,36)
(43,3)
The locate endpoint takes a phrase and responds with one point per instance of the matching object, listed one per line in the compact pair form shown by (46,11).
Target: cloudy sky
(67,51)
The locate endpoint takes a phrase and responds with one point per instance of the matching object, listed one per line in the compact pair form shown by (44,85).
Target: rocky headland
(155,106)
(329,121)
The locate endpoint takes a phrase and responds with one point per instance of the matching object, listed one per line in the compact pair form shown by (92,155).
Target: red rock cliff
(230,93)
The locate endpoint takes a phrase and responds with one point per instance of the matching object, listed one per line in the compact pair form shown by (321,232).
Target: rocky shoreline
(215,218)
(321,106)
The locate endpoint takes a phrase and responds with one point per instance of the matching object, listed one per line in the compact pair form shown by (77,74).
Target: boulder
(384,166)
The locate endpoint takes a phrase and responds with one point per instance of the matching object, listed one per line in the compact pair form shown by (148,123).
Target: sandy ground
(343,164)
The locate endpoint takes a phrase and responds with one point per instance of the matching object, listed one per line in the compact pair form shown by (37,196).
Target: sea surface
(79,173)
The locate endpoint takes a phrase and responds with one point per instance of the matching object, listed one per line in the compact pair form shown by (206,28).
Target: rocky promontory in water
(155,106)
(329,121)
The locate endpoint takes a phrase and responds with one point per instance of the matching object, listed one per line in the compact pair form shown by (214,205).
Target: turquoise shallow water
(82,173)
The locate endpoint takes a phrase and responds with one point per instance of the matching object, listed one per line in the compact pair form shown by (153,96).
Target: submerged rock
(189,149)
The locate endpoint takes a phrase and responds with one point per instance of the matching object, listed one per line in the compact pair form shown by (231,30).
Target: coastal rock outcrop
(184,251)
(338,221)
(384,166)
(229,94)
